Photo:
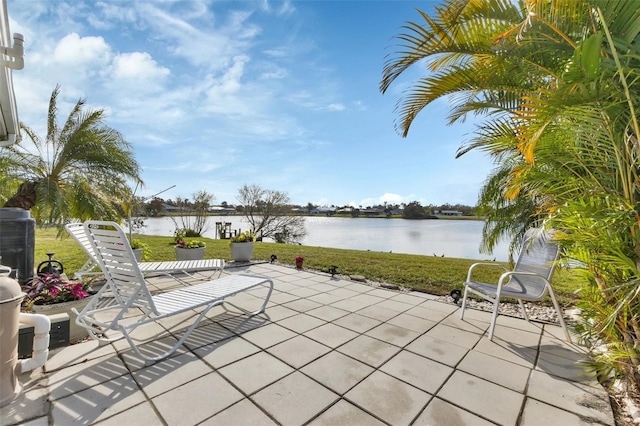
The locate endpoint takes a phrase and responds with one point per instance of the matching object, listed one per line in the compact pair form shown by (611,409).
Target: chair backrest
(115,257)
(77,232)
(538,255)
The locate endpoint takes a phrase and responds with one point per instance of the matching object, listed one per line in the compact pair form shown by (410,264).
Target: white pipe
(15,53)
(41,327)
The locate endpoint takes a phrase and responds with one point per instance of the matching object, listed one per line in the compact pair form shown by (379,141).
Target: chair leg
(524,311)
(494,317)
(464,302)
(560,317)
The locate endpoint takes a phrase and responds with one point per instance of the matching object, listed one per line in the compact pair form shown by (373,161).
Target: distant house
(168,208)
(222,211)
(324,210)
(448,213)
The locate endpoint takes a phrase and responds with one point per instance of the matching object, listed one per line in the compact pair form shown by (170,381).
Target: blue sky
(217,94)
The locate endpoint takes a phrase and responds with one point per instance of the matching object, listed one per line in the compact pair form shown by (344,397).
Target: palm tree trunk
(24,198)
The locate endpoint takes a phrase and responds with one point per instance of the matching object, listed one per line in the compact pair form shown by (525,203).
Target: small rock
(358,278)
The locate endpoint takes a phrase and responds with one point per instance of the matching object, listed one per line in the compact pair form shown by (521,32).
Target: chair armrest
(472,267)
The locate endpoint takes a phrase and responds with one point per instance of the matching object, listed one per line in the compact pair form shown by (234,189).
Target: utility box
(17,241)
(58,336)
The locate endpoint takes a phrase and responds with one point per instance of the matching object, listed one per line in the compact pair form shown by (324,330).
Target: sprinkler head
(455,295)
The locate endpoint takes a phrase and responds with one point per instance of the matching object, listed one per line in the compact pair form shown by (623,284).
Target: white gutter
(10,58)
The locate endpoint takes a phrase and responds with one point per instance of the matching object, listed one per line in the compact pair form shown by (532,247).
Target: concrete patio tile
(207,334)
(467,324)
(77,377)
(301,323)
(434,305)
(198,400)
(30,403)
(440,412)
(379,292)
(269,335)
(518,323)
(150,348)
(255,372)
(566,368)
(419,325)
(78,353)
(512,336)
(393,334)
(388,398)
(298,351)
(327,313)
(157,378)
(412,298)
(241,324)
(538,413)
(97,403)
(303,292)
(496,370)
(357,323)
(484,398)
(331,335)
(375,312)
(423,311)
(394,305)
(438,350)
(338,372)
(242,413)
(509,352)
(344,293)
(138,415)
(289,402)
(325,298)
(453,335)
(344,413)
(561,347)
(368,299)
(351,305)
(279,312)
(474,314)
(371,351)
(302,305)
(226,351)
(579,398)
(281,297)
(417,370)
(326,285)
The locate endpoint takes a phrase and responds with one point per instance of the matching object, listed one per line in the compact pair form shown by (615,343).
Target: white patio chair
(126,290)
(530,279)
(169,268)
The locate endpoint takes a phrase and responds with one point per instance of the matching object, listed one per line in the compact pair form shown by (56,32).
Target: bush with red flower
(48,289)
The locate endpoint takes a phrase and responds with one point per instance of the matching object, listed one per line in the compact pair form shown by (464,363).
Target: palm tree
(557,83)
(80,170)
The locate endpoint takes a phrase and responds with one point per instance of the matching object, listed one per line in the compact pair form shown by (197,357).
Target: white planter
(190,253)
(75,331)
(241,252)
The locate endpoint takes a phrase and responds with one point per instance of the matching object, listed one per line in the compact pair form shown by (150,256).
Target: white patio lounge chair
(529,280)
(170,268)
(126,290)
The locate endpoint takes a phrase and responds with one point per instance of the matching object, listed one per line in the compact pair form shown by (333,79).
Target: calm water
(451,238)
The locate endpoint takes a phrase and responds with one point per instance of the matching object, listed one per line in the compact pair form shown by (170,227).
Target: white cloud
(73,50)
(336,107)
(137,66)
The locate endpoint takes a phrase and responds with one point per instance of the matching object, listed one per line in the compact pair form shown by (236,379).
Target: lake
(451,238)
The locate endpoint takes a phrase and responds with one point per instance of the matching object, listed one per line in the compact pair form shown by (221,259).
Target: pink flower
(54,291)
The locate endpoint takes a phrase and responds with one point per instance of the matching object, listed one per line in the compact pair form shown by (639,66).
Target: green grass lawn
(430,274)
